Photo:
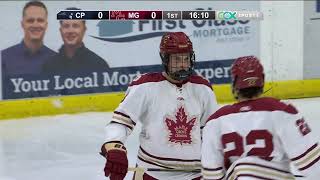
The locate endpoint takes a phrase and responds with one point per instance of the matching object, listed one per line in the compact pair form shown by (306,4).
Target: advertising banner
(112,53)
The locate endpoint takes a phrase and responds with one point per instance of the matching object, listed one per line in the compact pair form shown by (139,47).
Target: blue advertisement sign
(113,80)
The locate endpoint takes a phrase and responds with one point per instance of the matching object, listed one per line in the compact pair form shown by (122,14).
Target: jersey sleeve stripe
(123,120)
(254,176)
(263,166)
(264,171)
(211,176)
(217,173)
(124,115)
(309,159)
(311,164)
(305,153)
(259,172)
(130,127)
(212,169)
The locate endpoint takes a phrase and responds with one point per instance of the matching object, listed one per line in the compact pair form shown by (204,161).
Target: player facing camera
(177,55)
(247,77)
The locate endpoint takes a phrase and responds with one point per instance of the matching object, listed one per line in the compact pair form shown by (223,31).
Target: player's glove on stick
(116,166)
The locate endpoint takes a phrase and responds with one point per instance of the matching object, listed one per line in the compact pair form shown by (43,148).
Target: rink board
(109,101)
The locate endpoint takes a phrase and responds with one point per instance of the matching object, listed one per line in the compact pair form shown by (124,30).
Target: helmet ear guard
(173,43)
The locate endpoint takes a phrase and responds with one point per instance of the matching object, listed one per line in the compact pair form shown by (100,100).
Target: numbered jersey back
(265,128)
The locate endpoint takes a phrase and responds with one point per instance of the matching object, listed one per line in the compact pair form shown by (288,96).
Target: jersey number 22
(250,139)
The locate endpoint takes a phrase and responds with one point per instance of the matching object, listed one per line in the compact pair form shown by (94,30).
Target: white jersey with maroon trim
(265,128)
(171,116)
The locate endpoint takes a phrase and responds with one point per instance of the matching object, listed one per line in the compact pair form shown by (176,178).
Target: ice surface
(66,147)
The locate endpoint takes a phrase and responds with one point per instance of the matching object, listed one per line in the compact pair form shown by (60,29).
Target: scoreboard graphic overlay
(158,15)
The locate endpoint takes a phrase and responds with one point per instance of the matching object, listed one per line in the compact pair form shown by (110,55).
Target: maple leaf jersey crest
(180,128)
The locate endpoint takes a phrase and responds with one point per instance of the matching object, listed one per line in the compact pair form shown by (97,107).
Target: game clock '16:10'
(198,15)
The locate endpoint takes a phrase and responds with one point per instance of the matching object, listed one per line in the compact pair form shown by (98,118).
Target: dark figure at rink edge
(257,137)
(172,107)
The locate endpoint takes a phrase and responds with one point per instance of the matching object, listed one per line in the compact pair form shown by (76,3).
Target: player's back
(266,128)
(254,124)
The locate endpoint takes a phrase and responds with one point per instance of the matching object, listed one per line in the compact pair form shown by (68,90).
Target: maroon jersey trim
(122,124)
(305,153)
(251,175)
(158,77)
(258,165)
(261,104)
(310,164)
(149,77)
(124,115)
(212,169)
(199,80)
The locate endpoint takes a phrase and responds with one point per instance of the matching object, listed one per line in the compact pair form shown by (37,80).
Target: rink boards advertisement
(130,48)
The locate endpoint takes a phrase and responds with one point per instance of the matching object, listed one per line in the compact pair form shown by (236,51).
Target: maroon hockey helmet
(247,72)
(172,43)
(175,42)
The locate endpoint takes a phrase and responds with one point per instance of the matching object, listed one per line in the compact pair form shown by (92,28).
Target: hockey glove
(116,166)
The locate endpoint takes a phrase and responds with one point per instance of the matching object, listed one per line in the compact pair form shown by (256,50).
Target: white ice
(66,147)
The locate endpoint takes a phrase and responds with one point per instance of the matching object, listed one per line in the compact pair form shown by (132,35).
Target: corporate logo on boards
(111,30)
(129,30)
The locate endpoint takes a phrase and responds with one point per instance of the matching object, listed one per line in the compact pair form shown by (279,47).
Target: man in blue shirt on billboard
(28,56)
(74,58)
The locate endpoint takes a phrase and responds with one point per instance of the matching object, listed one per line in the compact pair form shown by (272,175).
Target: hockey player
(257,137)
(172,107)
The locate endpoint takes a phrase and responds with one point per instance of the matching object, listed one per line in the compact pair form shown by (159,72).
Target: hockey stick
(267,90)
(139,171)
(163,170)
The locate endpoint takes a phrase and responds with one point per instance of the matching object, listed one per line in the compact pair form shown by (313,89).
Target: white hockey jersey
(171,116)
(236,135)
